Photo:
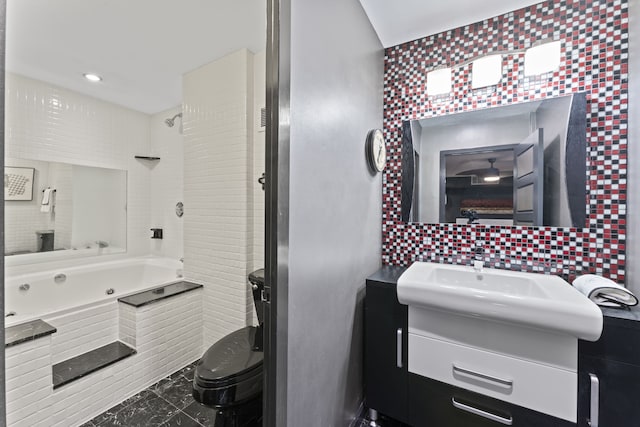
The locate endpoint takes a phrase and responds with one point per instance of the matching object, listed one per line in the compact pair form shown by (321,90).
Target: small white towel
(45,206)
(604,292)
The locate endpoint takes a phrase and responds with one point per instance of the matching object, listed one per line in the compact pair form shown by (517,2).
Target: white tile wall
(45,122)
(257,169)
(169,336)
(22,218)
(127,324)
(28,383)
(258,160)
(218,119)
(83,330)
(167,184)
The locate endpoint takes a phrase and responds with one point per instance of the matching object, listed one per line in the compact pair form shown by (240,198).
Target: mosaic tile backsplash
(594,37)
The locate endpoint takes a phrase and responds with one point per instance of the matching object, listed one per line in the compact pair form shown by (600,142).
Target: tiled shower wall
(259,91)
(594,39)
(167,184)
(49,123)
(218,222)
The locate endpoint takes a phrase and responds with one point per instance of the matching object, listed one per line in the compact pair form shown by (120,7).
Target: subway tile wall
(259,87)
(256,192)
(49,123)
(22,218)
(218,113)
(594,36)
(127,324)
(83,330)
(28,383)
(167,184)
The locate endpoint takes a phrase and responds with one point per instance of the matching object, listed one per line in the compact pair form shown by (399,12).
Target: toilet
(228,377)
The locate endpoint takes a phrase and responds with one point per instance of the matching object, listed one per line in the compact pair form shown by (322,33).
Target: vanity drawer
(433,403)
(539,387)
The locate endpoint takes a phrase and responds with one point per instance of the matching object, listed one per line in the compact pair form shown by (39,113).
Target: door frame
(533,178)
(277,212)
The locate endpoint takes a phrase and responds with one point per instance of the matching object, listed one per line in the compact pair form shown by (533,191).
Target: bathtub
(166,335)
(52,293)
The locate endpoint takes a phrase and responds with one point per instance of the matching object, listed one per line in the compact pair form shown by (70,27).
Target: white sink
(526,299)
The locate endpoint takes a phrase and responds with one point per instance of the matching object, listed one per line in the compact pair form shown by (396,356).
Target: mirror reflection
(479,183)
(72,207)
(522,164)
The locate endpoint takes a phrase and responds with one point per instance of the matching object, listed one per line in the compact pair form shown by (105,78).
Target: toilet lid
(230,357)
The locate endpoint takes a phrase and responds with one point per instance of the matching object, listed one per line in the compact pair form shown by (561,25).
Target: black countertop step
(14,335)
(388,274)
(159,293)
(624,316)
(92,361)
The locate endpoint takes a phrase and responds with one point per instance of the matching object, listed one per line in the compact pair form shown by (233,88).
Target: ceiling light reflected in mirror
(492,174)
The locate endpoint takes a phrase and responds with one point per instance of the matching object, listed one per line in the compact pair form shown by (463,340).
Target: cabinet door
(437,404)
(619,392)
(385,367)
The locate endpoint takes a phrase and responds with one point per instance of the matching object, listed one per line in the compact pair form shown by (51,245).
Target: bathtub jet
(78,288)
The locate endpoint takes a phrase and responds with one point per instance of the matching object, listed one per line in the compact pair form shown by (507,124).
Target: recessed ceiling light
(92,77)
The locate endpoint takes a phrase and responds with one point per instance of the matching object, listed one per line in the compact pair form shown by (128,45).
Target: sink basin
(532,300)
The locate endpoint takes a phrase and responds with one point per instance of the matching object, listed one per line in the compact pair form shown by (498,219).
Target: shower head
(170,122)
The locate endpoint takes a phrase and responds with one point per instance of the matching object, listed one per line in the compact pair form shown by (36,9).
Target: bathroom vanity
(429,398)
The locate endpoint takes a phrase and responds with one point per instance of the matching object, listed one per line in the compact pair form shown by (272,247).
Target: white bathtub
(83,286)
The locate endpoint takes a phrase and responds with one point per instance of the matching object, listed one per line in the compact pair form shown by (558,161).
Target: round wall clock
(376,150)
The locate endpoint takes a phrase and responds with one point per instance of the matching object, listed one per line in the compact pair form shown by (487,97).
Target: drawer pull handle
(468,372)
(480,412)
(399,348)
(594,406)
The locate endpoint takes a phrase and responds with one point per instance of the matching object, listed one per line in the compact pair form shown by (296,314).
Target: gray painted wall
(633,189)
(334,206)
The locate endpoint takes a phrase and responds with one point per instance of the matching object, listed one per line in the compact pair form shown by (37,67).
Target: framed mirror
(521,164)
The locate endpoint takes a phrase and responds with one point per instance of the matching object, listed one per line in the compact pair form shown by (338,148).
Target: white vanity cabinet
(476,348)
(492,372)
(542,388)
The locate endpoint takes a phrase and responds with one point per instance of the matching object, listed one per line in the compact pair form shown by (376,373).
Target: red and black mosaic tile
(594,37)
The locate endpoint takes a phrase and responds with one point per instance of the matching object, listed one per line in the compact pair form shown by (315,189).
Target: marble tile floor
(167,403)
